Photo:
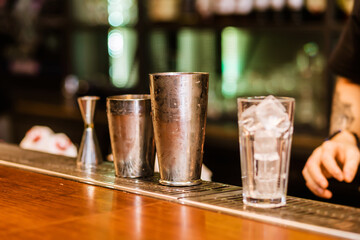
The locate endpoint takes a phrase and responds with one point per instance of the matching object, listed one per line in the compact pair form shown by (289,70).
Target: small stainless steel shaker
(179,106)
(131,135)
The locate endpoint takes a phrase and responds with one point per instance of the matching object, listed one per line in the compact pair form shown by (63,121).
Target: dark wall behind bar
(52,51)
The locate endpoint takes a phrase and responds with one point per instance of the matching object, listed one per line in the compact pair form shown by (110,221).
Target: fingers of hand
(312,171)
(352,159)
(330,150)
(331,159)
(315,188)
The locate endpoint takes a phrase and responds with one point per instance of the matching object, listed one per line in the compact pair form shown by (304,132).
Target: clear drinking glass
(265,135)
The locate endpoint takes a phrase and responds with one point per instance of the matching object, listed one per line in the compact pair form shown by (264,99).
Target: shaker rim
(178,73)
(129,97)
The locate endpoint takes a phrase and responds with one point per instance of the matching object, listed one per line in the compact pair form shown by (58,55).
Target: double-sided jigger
(131,135)
(179,107)
(89,152)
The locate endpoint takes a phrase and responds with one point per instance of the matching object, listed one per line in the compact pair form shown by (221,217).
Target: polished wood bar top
(37,206)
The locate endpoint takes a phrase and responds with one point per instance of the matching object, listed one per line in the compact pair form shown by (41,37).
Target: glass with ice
(265,132)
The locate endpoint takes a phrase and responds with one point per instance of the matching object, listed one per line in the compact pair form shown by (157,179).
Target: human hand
(338,158)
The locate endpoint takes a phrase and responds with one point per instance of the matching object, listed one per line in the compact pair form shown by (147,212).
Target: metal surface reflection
(179,106)
(89,152)
(131,134)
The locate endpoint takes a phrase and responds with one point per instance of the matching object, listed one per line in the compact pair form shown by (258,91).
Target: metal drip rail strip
(330,219)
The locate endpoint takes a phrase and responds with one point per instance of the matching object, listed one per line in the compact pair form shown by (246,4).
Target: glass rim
(177,73)
(129,97)
(261,98)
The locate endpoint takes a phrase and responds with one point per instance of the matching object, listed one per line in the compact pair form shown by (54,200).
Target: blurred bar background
(53,51)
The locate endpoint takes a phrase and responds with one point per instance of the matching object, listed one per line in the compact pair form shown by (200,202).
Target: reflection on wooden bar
(323,218)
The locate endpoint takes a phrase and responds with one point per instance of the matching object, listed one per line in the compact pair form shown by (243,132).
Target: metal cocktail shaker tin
(179,107)
(131,135)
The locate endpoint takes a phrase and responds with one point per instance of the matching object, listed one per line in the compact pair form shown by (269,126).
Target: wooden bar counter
(37,206)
